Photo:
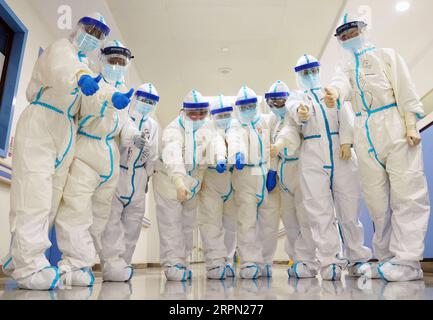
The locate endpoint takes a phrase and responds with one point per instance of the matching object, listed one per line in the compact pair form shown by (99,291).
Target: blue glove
(271,182)
(88,85)
(240,161)
(221,166)
(121,100)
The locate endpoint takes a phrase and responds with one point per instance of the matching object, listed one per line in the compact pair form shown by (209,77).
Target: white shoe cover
(177,272)
(369,270)
(355,269)
(267,271)
(390,271)
(230,271)
(79,278)
(217,273)
(250,271)
(331,272)
(46,279)
(123,274)
(300,270)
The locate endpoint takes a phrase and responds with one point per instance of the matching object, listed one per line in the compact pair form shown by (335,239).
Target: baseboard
(427,266)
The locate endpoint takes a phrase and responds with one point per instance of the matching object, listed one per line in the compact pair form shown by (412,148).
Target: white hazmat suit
(251,196)
(92,181)
(329,184)
(177,183)
(217,208)
(383,95)
(129,203)
(44,147)
(286,141)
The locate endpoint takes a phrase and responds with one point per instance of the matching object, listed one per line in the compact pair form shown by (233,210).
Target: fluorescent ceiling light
(402,6)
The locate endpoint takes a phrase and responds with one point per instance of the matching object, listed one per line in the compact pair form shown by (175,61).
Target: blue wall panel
(427,137)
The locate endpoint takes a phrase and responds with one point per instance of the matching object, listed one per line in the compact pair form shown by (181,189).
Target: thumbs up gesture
(89,85)
(304,113)
(331,97)
(122,100)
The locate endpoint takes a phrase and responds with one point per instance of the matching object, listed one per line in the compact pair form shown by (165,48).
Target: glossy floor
(150,284)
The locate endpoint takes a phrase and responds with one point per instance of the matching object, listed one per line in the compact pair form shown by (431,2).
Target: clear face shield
(309,79)
(223,119)
(196,117)
(90,35)
(248,112)
(351,36)
(277,105)
(143,105)
(115,63)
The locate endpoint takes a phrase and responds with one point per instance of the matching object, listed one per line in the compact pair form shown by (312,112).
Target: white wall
(42,32)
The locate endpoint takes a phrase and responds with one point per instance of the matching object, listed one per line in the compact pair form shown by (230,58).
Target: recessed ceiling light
(225,70)
(402,6)
(225,49)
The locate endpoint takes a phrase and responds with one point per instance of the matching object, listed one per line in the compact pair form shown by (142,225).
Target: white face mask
(143,108)
(310,81)
(355,44)
(87,43)
(114,73)
(248,115)
(223,123)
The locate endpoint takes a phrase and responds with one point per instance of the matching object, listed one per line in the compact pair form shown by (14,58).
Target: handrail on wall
(425,123)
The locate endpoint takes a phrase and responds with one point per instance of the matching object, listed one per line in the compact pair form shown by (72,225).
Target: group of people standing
(83,161)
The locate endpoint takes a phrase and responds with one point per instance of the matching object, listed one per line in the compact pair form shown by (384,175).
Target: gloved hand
(412,134)
(139,140)
(271,181)
(121,100)
(183,193)
(88,85)
(331,97)
(276,149)
(346,152)
(304,113)
(221,166)
(240,161)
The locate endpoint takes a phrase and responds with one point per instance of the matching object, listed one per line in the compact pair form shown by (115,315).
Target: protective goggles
(146,97)
(276,102)
(147,101)
(196,114)
(349,30)
(221,116)
(95,28)
(117,56)
(311,71)
(247,107)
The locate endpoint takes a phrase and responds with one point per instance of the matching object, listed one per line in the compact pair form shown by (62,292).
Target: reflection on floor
(150,284)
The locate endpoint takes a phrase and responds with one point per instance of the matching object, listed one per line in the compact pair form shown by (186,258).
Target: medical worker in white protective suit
(387,142)
(128,207)
(94,173)
(329,180)
(217,208)
(285,145)
(44,147)
(177,183)
(251,196)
